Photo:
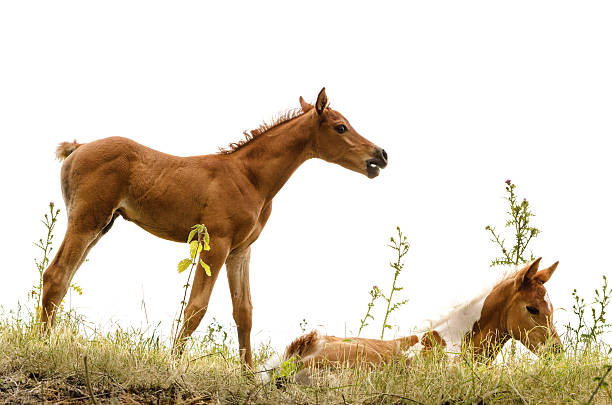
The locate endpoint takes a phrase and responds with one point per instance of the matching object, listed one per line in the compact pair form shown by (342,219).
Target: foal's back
(162,193)
(314,349)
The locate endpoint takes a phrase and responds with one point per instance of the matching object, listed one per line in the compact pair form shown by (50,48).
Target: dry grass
(129,367)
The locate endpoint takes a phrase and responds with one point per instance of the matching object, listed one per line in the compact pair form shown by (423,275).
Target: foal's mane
(455,311)
(249,136)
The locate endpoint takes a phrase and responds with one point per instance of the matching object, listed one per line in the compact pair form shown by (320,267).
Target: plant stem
(184,300)
(401,246)
(602,380)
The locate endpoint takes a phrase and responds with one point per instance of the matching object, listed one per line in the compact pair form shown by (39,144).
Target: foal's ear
(305,106)
(528,273)
(322,101)
(544,275)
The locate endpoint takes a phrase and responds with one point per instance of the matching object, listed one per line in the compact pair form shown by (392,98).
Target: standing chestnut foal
(231,192)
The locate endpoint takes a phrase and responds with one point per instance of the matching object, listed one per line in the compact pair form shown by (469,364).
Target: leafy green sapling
(198,240)
(202,242)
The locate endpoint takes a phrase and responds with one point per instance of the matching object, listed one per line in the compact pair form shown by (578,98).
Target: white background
(462,95)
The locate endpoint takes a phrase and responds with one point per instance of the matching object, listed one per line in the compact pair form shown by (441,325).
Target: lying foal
(515,307)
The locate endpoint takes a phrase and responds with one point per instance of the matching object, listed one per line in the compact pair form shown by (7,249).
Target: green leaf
(183,265)
(206,268)
(191,235)
(195,248)
(206,240)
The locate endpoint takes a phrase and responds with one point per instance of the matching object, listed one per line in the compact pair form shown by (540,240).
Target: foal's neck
(455,326)
(489,333)
(479,324)
(269,160)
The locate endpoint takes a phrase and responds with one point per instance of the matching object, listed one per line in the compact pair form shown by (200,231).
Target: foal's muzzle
(379,161)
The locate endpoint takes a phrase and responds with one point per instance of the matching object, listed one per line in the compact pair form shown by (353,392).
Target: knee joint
(194,312)
(243,315)
(48,278)
(51,284)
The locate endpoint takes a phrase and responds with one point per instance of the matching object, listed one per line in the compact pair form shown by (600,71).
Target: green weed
(400,247)
(519,217)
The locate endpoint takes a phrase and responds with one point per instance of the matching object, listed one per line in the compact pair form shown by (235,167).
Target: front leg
(237,265)
(201,290)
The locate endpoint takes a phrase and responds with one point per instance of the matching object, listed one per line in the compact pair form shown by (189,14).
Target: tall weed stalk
(400,247)
(585,333)
(519,218)
(45,246)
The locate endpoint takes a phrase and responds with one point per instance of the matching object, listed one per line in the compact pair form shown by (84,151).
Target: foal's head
(526,312)
(336,141)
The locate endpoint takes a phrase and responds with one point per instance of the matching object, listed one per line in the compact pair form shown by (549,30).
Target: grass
(131,367)
(78,364)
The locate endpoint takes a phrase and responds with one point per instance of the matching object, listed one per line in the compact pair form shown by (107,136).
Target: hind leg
(77,243)
(237,265)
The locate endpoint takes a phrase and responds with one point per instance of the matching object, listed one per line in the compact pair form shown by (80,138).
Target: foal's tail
(299,350)
(64,149)
(303,346)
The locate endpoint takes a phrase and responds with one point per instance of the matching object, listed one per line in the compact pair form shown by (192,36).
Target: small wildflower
(51,204)
(508,181)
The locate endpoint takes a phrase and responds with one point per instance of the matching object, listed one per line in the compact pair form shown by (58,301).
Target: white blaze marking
(547,299)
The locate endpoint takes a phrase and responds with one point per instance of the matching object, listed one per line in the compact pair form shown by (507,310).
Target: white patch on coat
(453,326)
(414,350)
(270,365)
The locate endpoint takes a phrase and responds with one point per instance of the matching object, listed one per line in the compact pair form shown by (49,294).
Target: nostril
(384,155)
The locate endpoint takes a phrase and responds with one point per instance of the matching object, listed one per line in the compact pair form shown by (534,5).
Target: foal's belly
(165,228)
(164,208)
(167,205)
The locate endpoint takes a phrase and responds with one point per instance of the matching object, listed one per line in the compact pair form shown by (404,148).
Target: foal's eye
(532,310)
(341,128)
